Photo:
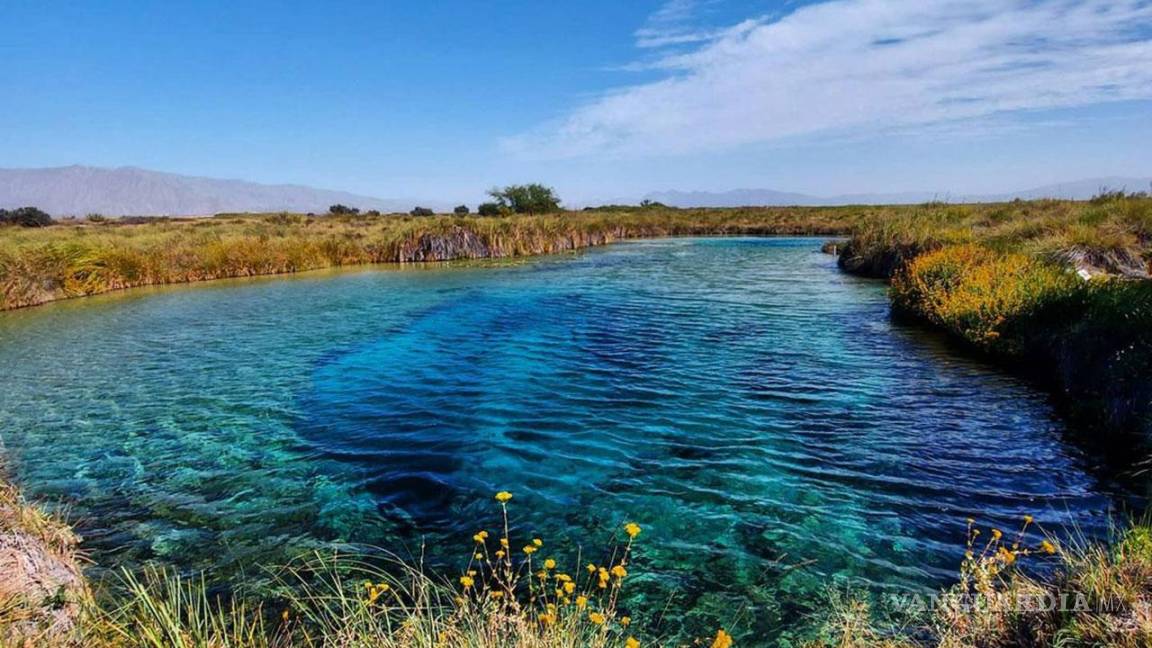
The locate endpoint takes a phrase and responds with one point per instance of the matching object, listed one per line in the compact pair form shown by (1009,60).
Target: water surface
(752,408)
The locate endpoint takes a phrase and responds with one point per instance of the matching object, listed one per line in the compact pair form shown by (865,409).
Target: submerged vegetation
(508,593)
(511,592)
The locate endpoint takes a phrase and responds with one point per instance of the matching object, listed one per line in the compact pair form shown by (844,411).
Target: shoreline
(67,261)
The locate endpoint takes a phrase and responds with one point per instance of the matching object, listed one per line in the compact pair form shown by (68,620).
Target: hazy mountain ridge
(130,191)
(1077,190)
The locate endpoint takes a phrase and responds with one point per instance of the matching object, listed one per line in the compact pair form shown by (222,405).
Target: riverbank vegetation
(1057,290)
(85,258)
(1014,588)
(509,592)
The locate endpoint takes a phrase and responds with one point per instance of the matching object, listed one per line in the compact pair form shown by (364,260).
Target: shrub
(973,291)
(461,210)
(527,199)
(25,217)
(372,212)
(422,211)
(95,218)
(343,210)
(489,209)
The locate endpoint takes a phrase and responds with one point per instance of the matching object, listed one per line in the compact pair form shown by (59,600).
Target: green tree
(527,199)
(422,211)
(461,210)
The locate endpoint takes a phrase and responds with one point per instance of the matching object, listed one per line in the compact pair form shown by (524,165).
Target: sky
(602,100)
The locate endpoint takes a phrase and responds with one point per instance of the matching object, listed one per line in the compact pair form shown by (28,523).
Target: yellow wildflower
(632,529)
(479,556)
(466,581)
(538,542)
(504,542)
(625,620)
(529,549)
(723,640)
(569,587)
(619,572)
(596,617)
(548,618)
(631,642)
(581,601)
(500,553)
(549,564)
(497,594)
(591,568)
(996,534)
(1047,547)
(1027,519)
(503,496)
(563,578)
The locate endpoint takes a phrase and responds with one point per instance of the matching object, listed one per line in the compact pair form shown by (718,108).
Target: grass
(78,258)
(1095,594)
(505,595)
(41,585)
(508,593)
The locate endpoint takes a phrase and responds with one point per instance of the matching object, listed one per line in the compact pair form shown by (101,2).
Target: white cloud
(861,66)
(671,24)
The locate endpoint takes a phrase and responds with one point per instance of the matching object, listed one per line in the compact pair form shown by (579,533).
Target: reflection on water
(754,409)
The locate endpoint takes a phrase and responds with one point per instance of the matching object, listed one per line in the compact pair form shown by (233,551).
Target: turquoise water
(752,408)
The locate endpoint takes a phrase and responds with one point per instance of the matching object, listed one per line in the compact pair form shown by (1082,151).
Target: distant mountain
(1076,190)
(129,191)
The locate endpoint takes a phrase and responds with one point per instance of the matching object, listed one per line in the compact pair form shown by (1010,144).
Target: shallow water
(752,408)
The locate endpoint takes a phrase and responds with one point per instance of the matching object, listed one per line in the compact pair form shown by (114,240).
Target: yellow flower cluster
(375,590)
(555,600)
(983,565)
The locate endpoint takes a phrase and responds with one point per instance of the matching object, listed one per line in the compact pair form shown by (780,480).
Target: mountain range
(130,191)
(1075,190)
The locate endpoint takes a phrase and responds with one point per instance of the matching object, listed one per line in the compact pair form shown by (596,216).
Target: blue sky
(601,99)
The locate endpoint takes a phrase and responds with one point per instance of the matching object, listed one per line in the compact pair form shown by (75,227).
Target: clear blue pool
(754,409)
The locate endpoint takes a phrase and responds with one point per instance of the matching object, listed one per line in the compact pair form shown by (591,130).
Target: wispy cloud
(674,24)
(858,67)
